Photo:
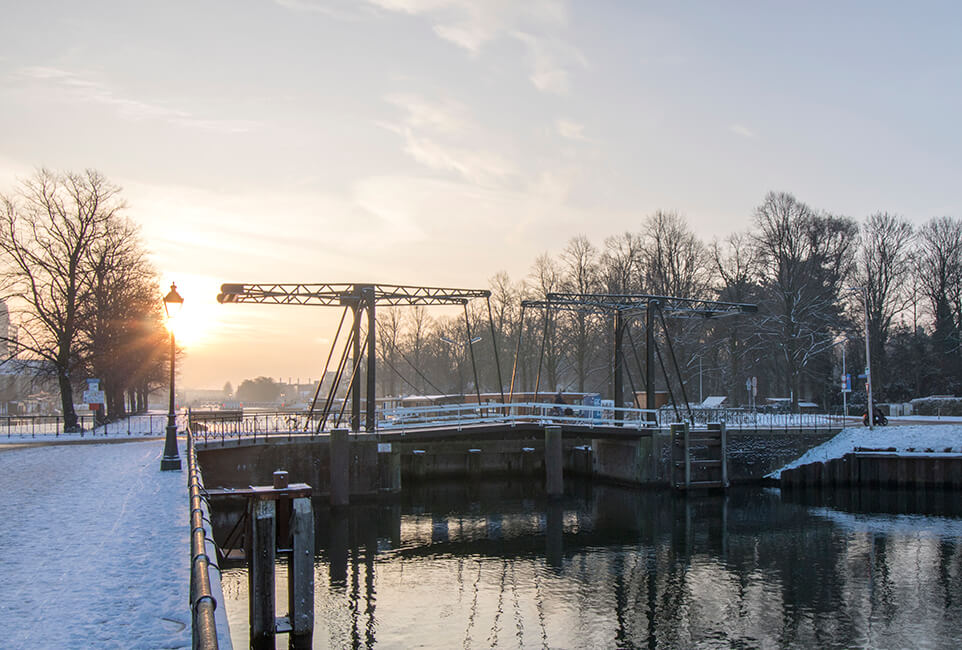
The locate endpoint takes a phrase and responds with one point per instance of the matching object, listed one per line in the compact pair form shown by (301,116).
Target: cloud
(570,129)
(442,136)
(743,131)
(444,116)
(342,9)
(87,90)
(550,61)
(473,24)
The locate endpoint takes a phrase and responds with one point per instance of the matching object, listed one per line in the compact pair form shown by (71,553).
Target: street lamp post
(171,460)
(868,361)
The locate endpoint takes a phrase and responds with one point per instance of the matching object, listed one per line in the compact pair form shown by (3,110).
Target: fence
(52,426)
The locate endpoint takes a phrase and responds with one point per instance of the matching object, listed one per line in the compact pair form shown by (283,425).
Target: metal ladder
(699,459)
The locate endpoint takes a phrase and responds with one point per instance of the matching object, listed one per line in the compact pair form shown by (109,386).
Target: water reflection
(499,565)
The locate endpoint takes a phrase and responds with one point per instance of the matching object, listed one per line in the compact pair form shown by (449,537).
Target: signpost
(95,398)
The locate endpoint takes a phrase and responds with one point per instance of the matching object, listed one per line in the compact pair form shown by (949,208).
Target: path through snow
(94,549)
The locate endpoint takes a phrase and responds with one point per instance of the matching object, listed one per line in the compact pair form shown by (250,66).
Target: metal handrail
(202,601)
(287,425)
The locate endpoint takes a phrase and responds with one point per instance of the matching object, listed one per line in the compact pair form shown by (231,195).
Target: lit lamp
(171,460)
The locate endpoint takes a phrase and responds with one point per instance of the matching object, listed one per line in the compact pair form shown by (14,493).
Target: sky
(438,142)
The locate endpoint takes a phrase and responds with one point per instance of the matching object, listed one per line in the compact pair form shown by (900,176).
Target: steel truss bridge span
(361,300)
(623,307)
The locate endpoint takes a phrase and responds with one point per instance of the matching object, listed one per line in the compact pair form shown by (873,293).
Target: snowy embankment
(95,548)
(910,438)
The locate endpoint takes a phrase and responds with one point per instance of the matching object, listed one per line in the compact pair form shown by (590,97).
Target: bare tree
(805,259)
(939,272)
(674,260)
(546,277)
(46,232)
(883,268)
(621,264)
(389,328)
(737,264)
(121,321)
(580,269)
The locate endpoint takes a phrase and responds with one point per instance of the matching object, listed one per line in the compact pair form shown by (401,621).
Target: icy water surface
(498,565)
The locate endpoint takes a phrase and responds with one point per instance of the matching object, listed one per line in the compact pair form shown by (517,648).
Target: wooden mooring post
(554,461)
(281,521)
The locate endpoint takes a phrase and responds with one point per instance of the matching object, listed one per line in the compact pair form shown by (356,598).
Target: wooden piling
(261,573)
(474,463)
(340,467)
(389,467)
(553,461)
(301,570)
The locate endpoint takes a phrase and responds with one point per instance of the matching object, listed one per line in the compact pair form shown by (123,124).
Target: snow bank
(903,438)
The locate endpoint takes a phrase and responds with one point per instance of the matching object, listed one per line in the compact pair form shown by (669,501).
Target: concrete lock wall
(451,459)
(751,455)
(641,461)
(640,458)
(238,466)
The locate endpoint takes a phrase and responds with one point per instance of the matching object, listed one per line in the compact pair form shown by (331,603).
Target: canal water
(478,565)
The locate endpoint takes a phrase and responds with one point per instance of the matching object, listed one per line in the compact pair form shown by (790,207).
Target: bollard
(553,461)
(340,467)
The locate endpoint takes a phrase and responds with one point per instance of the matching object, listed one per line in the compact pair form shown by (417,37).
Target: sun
(196,320)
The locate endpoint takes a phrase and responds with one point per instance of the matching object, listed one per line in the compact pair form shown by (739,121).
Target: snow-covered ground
(95,549)
(919,437)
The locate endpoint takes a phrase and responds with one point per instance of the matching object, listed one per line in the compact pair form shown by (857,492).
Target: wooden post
(389,467)
(261,574)
(474,463)
(553,461)
(340,467)
(301,571)
(687,456)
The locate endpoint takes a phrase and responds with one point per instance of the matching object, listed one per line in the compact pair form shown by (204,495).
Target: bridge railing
(275,425)
(491,412)
(212,426)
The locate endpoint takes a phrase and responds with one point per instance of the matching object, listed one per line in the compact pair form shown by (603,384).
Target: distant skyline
(441,141)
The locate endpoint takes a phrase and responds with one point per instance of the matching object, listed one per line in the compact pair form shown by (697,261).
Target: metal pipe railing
(202,601)
(287,425)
